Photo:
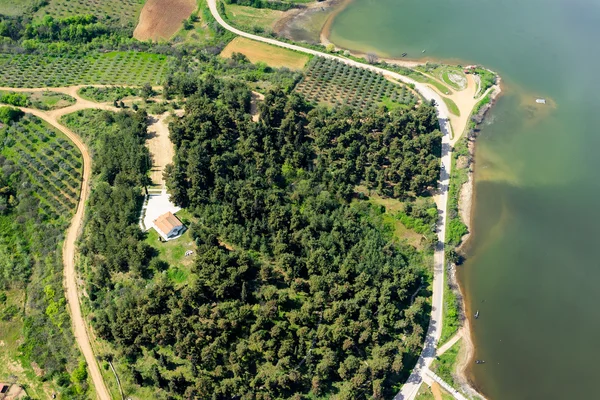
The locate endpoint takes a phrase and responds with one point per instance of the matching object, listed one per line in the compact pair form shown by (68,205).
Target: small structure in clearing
(168,226)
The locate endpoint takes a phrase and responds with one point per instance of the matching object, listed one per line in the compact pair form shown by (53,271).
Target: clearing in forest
(161,19)
(261,52)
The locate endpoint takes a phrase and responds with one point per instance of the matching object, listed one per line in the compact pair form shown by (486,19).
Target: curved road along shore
(410,388)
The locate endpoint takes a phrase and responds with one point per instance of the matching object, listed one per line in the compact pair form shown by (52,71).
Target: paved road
(410,388)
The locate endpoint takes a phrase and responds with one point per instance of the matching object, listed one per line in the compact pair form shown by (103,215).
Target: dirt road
(70,274)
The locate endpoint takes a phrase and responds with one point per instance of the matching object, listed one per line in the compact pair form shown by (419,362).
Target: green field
(252,17)
(334,83)
(15,7)
(121,12)
(119,68)
(452,107)
(444,365)
(45,100)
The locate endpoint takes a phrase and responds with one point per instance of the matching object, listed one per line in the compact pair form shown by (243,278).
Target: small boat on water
(479,361)
(404,54)
(540,101)
(423,51)
(477,314)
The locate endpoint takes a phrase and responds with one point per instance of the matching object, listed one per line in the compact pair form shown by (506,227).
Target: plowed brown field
(161,19)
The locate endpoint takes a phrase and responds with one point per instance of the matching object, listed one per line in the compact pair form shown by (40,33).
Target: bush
(10,114)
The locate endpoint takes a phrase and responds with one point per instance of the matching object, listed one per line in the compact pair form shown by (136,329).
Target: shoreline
(466,198)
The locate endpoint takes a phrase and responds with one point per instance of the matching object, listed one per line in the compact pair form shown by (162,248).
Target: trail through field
(161,19)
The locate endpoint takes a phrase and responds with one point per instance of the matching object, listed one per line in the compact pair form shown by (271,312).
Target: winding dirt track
(70,274)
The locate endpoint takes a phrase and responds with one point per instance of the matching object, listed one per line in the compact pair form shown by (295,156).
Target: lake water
(533,266)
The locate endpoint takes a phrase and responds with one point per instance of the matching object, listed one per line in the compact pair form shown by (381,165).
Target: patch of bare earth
(161,19)
(437,392)
(160,146)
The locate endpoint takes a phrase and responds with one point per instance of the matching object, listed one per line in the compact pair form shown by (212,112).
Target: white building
(168,226)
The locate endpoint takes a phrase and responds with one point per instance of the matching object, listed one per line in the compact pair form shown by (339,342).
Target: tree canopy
(297,289)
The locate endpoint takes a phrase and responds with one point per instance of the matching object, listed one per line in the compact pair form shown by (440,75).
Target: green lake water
(533,266)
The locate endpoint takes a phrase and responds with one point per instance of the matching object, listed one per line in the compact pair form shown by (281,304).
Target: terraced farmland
(334,83)
(122,12)
(51,163)
(118,68)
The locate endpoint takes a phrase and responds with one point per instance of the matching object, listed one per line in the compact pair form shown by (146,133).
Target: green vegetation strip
(445,364)
(452,107)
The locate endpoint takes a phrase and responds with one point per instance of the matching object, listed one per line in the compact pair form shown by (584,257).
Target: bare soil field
(262,52)
(161,19)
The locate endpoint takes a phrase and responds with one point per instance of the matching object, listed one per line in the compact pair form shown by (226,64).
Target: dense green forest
(299,290)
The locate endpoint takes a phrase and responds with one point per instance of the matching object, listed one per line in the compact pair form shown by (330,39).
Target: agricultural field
(161,19)
(121,13)
(250,17)
(46,100)
(15,7)
(119,68)
(273,56)
(52,163)
(334,83)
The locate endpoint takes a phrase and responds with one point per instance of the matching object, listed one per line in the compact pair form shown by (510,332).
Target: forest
(298,289)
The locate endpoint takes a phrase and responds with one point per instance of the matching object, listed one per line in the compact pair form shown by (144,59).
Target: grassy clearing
(452,107)
(46,100)
(252,17)
(425,393)
(444,365)
(118,68)
(120,12)
(444,73)
(15,7)
(425,79)
(273,56)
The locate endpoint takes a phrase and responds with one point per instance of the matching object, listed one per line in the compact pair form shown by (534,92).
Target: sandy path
(161,148)
(442,349)
(256,97)
(436,390)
